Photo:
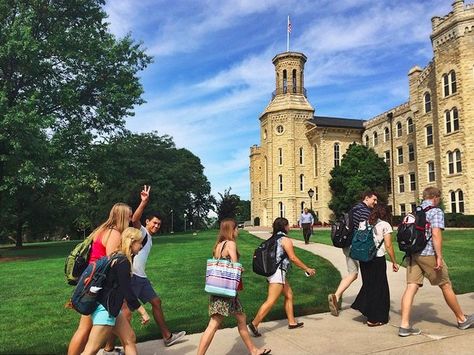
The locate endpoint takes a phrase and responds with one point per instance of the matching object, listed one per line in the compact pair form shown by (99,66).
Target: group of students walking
(113,315)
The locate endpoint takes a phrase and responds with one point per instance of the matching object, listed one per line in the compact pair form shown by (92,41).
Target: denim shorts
(102,317)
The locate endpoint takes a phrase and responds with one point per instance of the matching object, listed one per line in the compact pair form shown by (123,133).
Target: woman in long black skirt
(373,300)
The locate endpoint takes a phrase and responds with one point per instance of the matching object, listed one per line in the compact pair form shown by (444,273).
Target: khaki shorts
(423,266)
(352,265)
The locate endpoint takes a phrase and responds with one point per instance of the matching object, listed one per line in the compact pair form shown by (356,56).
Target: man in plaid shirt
(429,263)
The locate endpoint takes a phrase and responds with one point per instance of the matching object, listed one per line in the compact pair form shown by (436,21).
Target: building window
(453,202)
(281,208)
(403,211)
(280,129)
(413,206)
(401,184)
(387,157)
(366,141)
(386,134)
(461,201)
(389,185)
(431,171)
(410,126)
(427,99)
(445,85)
(285,82)
(429,135)
(265,162)
(376,138)
(411,152)
(280,183)
(412,182)
(399,129)
(280,156)
(452,79)
(457,157)
(315,160)
(265,134)
(301,182)
(457,201)
(451,119)
(400,155)
(301,155)
(336,154)
(316,193)
(259,187)
(302,207)
(454,162)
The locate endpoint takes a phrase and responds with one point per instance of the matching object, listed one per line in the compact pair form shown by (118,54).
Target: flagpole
(288,30)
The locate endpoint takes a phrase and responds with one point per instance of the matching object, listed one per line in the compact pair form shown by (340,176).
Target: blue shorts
(142,289)
(102,317)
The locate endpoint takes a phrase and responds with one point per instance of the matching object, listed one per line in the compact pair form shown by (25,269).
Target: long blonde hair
(226,232)
(129,236)
(119,218)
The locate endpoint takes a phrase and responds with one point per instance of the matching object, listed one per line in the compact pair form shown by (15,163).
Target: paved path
(347,334)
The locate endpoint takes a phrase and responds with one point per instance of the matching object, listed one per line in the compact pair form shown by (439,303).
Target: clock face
(280,129)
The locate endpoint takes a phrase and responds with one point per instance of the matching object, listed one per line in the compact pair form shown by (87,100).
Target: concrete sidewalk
(347,334)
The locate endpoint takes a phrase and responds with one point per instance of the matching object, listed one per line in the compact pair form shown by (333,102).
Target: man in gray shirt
(306,222)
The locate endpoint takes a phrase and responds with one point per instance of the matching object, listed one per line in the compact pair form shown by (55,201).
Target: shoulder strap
(222,249)
(428,208)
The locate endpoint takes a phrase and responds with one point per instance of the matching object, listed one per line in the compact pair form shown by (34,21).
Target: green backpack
(77,261)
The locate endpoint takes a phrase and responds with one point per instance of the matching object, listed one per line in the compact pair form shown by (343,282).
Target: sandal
(294,326)
(376,324)
(266,351)
(254,331)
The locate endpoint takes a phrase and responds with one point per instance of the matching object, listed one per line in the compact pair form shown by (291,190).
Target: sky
(213,76)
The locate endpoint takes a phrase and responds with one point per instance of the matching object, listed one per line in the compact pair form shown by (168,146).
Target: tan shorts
(423,266)
(352,265)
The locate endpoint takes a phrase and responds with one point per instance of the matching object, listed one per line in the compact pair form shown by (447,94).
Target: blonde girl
(117,289)
(220,307)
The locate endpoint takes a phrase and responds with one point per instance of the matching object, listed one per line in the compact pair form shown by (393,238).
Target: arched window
(455,119)
(265,163)
(452,194)
(447,119)
(429,135)
(376,138)
(431,171)
(452,79)
(427,100)
(281,208)
(302,182)
(280,183)
(461,201)
(445,85)
(366,141)
(450,163)
(302,207)
(316,193)
(399,129)
(301,155)
(315,153)
(411,152)
(400,155)
(280,156)
(386,134)
(336,154)
(285,82)
(457,158)
(410,126)
(293,80)
(457,201)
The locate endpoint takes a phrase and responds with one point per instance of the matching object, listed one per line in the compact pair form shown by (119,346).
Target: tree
(243,211)
(64,81)
(360,169)
(228,205)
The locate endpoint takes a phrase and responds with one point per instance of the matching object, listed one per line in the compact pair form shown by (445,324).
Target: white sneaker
(174,338)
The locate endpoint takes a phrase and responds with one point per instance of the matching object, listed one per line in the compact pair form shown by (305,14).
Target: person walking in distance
(306,222)
(429,263)
(360,212)
(140,283)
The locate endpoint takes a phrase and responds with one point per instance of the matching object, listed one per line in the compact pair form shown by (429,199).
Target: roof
(321,121)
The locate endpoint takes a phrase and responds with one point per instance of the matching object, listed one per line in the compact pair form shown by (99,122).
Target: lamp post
(172,213)
(311,194)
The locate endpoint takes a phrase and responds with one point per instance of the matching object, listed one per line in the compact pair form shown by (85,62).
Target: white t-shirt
(139,261)
(381,228)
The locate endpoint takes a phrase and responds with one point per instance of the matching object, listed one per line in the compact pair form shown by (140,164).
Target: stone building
(425,140)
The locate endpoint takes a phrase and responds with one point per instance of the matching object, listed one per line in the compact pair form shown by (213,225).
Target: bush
(459,220)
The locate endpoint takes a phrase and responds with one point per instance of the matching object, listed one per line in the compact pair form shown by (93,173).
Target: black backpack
(342,230)
(90,284)
(265,256)
(414,232)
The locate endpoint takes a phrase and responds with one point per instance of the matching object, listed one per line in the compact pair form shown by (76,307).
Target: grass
(33,291)
(458,248)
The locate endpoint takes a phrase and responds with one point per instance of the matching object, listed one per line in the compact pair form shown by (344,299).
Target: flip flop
(294,326)
(253,329)
(266,351)
(376,324)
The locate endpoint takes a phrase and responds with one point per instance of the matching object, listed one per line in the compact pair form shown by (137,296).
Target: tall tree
(360,169)
(64,81)
(243,211)
(228,205)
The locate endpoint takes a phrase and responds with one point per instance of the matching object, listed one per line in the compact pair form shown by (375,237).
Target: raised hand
(145,193)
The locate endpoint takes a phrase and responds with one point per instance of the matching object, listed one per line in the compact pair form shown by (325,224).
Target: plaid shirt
(436,218)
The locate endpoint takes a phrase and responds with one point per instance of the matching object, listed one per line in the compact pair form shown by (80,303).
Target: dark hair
(279,225)
(153,214)
(368,193)
(380,211)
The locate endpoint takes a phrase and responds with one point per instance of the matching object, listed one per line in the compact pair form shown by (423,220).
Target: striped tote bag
(222,277)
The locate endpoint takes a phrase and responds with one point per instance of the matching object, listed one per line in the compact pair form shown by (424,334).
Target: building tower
(279,166)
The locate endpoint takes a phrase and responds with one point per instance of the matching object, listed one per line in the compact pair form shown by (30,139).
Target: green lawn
(33,291)
(458,248)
